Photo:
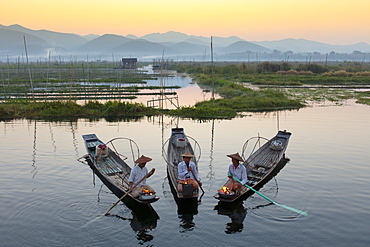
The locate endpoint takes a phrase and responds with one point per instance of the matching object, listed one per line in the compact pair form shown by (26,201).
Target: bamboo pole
(129,191)
(213,74)
(29,70)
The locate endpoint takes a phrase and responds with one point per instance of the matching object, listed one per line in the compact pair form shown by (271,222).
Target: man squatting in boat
(137,173)
(187,170)
(238,171)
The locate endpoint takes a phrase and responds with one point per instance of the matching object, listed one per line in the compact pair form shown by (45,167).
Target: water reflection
(52,138)
(186,209)
(34,153)
(236,212)
(74,140)
(144,219)
(211,173)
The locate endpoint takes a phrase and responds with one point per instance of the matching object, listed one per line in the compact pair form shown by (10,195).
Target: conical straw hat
(235,156)
(143,159)
(187,154)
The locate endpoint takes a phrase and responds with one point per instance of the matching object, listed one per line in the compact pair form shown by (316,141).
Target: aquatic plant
(30,109)
(241,98)
(208,112)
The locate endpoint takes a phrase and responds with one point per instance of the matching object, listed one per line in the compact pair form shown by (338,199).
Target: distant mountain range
(175,45)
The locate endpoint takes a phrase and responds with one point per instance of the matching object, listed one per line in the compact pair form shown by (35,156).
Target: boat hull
(262,166)
(111,170)
(178,144)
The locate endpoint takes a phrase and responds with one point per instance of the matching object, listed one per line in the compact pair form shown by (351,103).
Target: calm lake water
(49,198)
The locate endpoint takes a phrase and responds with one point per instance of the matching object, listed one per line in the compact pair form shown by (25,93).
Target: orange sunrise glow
(334,22)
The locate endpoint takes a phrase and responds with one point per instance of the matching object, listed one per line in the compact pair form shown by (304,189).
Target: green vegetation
(240,98)
(283,73)
(363,97)
(204,112)
(58,80)
(55,88)
(95,109)
(72,109)
(281,85)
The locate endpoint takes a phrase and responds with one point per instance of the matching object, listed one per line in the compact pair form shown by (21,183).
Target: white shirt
(183,171)
(240,172)
(137,174)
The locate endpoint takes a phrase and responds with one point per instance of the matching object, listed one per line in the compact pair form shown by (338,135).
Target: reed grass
(23,108)
(94,82)
(110,109)
(240,98)
(205,112)
(56,79)
(348,75)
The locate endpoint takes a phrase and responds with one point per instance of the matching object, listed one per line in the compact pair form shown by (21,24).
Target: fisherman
(101,151)
(238,171)
(188,172)
(137,173)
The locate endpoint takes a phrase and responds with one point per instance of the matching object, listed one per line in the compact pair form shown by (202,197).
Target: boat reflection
(143,221)
(236,212)
(186,209)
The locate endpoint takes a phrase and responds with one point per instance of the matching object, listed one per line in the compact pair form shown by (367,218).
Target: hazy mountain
(222,42)
(170,36)
(176,37)
(295,45)
(131,36)
(303,46)
(104,43)
(362,46)
(142,47)
(243,46)
(12,43)
(55,39)
(196,41)
(171,44)
(90,37)
(187,48)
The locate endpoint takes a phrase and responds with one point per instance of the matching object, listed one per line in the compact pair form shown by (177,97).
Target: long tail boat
(112,170)
(262,165)
(178,144)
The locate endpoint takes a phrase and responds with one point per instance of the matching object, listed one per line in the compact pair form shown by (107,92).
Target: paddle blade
(277,204)
(292,209)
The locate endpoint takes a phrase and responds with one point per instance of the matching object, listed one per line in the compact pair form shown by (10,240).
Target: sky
(337,22)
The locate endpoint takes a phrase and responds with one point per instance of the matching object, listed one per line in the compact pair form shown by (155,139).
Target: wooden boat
(262,165)
(176,145)
(112,170)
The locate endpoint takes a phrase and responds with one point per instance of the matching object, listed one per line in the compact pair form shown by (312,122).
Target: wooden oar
(197,181)
(129,191)
(268,199)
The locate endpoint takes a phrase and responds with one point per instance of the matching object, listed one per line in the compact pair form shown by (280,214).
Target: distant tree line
(233,68)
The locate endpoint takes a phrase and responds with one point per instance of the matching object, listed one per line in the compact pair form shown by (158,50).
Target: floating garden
(99,89)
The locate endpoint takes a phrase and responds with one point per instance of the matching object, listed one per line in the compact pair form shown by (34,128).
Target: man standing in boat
(139,172)
(188,172)
(238,171)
